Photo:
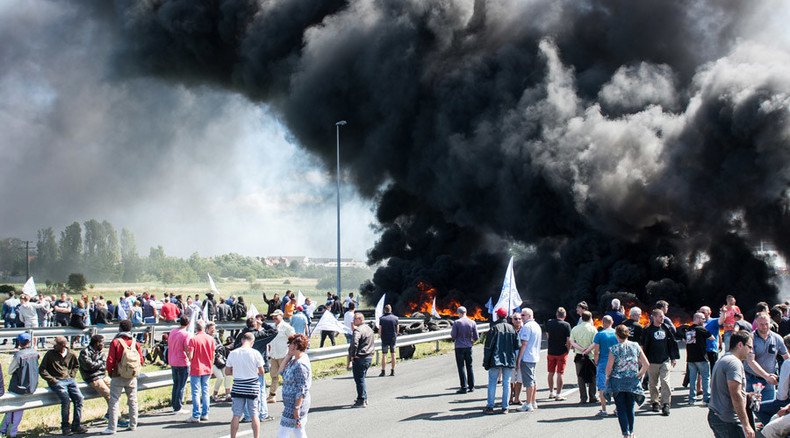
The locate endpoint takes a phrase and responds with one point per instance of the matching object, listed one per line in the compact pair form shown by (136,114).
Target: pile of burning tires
(426,325)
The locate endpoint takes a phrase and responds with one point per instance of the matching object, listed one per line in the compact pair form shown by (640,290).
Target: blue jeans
(725,340)
(180,375)
(493,376)
(722,429)
(769,392)
(624,401)
(263,411)
(199,387)
(702,369)
(68,392)
(359,367)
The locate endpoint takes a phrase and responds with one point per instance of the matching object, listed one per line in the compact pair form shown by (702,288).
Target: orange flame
(644,320)
(445,308)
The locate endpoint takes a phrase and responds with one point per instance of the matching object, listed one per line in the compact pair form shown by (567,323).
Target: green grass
(41,421)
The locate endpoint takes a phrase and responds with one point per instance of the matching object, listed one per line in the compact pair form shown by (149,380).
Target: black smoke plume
(624,146)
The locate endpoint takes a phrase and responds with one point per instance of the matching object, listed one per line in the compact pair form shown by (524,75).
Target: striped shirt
(245,388)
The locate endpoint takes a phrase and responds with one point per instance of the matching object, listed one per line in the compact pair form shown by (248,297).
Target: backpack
(129,366)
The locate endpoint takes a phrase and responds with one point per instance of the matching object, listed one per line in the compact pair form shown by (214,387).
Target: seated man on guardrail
(58,369)
(24,380)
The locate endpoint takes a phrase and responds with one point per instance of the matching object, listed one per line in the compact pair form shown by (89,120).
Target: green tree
(70,249)
(46,261)
(76,282)
(12,257)
(132,264)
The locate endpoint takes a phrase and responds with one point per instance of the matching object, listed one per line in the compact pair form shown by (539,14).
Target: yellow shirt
(583,335)
(289,309)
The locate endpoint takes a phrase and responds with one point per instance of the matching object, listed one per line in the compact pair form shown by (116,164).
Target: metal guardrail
(158,379)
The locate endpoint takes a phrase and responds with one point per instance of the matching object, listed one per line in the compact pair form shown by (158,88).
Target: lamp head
(340,123)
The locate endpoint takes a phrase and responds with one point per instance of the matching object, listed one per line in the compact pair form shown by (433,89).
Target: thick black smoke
(639,146)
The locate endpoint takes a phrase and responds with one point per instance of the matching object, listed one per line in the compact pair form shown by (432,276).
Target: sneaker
(204,418)
(67,432)
(245,420)
(471,389)
(382,373)
(504,411)
(461,391)
(360,404)
(488,411)
(108,431)
(123,423)
(526,407)
(692,402)
(601,414)
(665,410)
(267,419)
(559,398)
(193,420)
(655,407)
(534,406)
(271,399)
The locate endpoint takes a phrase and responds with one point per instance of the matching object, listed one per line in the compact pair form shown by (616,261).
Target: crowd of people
(733,366)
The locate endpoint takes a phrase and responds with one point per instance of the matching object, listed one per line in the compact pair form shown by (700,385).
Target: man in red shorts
(559,340)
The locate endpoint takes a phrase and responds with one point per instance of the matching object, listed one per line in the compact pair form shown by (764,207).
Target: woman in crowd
(626,366)
(297,377)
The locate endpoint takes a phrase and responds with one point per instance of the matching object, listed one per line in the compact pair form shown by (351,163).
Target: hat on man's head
(23,338)
(501,312)
(277,312)
(299,308)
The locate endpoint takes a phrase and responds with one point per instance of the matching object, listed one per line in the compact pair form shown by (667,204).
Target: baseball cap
(277,312)
(23,338)
(501,312)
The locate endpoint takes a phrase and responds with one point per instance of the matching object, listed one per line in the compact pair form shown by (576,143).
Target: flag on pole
(379,309)
(205,312)
(433,309)
(212,285)
(300,299)
(192,323)
(121,311)
(509,298)
(30,288)
(252,311)
(329,323)
(490,306)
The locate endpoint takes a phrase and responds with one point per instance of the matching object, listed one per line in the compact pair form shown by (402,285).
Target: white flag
(509,298)
(30,287)
(212,285)
(300,299)
(329,323)
(433,309)
(192,322)
(252,312)
(205,312)
(121,311)
(379,309)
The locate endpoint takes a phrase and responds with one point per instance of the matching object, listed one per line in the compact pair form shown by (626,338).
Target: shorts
(557,363)
(149,320)
(528,374)
(600,377)
(516,378)
(244,404)
(385,347)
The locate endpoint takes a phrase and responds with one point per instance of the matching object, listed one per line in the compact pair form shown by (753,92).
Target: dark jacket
(501,346)
(672,345)
(224,312)
(55,367)
(24,377)
(93,364)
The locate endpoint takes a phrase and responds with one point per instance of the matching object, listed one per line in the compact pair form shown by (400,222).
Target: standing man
(179,362)
(272,304)
(124,361)
(62,309)
(580,309)
(299,322)
(360,352)
(602,342)
(388,332)
(279,349)
(727,409)
(559,339)
(499,356)
(696,344)
(246,367)
(464,334)
(767,344)
(712,325)
(662,351)
(617,316)
(58,368)
(348,321)
(200,351)
(169,312)
(528,357)
(664,307)
(515,379)
(635,329)
(9,311)
(727,314)
(582,342)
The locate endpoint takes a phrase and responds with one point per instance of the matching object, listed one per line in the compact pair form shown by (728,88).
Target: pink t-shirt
(202,348)
(176,342)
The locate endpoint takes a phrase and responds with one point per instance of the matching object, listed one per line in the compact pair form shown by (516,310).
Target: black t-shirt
(388,328)
(559,331)
(696,336)
(635,329)
(655,342)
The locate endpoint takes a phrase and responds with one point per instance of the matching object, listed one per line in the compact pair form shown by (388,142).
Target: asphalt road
(420,400)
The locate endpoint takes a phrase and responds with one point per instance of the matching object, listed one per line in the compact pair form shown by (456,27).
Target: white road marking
(240,433)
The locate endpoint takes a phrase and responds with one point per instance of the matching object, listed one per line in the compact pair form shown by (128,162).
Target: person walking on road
(360,352)
(528,357)
(297,379)
(499,356)
(388,332)
(582,342)
(464,334)
(727,415)
(58,368)
(767,345)
(245,365)
(200,351)
(559,341)
(124,361)
(279,348)
(625,368)
(602,341)
(177,341)
(662,352)
(696,343)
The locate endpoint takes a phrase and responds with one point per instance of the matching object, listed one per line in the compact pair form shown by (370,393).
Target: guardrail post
(378,357)
(437,346)
(152,336)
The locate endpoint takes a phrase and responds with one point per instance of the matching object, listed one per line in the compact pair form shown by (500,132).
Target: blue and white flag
(509,298)
(490,306)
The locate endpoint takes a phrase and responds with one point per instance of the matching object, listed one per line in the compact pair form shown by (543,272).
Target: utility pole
(27,260)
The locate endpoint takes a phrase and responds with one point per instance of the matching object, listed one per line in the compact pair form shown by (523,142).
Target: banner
(329,323)
(379,310)
(212,285)
(30,288)
(509,298)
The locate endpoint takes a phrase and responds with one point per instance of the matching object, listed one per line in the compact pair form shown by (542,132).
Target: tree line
(96,250)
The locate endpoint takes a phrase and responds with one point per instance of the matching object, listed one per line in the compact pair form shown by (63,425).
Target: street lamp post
(337,127)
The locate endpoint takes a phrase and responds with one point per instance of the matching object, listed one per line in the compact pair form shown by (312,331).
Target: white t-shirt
(279,345)
(531,333)
(348,319)
(245,362)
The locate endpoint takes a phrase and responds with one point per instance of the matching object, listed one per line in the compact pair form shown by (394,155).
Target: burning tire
(443,324)
(415,327)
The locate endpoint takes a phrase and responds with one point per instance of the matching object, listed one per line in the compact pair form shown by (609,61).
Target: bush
(76,282)
(6,288)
